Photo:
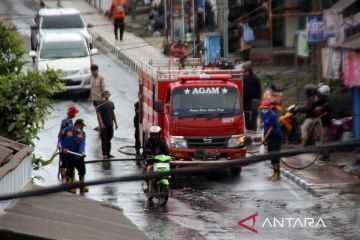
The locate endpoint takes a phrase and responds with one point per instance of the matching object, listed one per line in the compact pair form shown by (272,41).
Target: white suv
(58,20)
(69,53)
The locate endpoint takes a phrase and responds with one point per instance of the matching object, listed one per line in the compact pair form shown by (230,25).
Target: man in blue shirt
(72,140)
(66,122)
(272,136)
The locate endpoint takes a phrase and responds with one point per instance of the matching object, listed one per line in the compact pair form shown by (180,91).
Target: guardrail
(16,174)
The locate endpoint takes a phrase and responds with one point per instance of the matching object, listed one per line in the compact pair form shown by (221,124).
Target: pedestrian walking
(73,147)
(272,136)
(97,88)
(117,11)
(136,126)
(252,96)
(107,118)
(65,123)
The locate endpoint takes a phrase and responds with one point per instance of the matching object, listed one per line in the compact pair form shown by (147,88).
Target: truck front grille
(206,142)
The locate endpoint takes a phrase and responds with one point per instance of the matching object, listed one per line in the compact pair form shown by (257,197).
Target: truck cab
(204,119)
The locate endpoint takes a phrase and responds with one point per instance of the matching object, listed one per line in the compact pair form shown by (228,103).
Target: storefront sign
(351,70)
(302,44)
(334,29)
(315,28)
(331,62)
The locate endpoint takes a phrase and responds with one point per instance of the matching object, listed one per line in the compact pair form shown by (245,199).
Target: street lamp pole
(225,29)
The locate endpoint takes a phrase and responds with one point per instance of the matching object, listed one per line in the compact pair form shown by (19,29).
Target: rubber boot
(85,188)
(63,174)
(276,175)
(273,167)
(68,180)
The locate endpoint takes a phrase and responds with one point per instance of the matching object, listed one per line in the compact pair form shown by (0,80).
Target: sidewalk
(130,50)
(65,216)
(339,174)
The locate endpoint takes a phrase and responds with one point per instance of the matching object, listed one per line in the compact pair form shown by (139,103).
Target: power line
(184,171)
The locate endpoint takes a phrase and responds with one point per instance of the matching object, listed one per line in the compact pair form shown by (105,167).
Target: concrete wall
(102,5)
(15,175)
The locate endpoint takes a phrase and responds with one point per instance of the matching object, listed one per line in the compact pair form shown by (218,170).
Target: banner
(315,28)
(351,70)
(331,62)
(302,47)
(334,29)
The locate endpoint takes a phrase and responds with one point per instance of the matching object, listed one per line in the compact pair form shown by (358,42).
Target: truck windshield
(68,49)
(205,101)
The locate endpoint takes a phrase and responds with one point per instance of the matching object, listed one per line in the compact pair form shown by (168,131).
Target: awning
(342,4)
(352,42)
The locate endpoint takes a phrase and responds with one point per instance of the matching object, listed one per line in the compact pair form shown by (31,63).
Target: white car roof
(62,37)
(58,11)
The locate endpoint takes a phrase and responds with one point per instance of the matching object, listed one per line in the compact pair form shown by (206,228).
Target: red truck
(199,109)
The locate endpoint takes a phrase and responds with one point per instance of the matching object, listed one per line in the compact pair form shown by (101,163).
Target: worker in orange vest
(117,11)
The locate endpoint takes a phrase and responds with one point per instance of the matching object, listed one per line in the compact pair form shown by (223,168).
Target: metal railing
(168,68)
(15,175)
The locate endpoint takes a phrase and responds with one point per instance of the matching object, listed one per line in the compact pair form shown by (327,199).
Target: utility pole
(225,27)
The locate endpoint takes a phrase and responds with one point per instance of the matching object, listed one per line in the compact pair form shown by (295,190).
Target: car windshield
(205,101)
(63,21)
(68,49)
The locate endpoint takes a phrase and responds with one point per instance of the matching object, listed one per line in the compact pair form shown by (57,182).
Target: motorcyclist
(155,145)
(309,110)
(324,111)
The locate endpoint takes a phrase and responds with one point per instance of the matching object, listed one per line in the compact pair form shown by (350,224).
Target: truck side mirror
(158,106)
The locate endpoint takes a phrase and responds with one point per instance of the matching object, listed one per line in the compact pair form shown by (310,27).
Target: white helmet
(155,130)
(324,90)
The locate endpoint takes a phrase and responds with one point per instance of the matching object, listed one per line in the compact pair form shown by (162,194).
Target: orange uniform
(117,9)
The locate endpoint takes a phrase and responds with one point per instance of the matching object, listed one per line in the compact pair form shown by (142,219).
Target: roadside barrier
(335,146)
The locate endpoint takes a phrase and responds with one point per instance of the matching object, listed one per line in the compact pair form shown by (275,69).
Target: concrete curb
(299,181)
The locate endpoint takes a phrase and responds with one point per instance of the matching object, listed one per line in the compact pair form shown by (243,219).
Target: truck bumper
(228,153)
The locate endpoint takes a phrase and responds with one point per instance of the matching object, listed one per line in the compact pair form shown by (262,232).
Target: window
(209,100)
(70,49)
(168,96)
(63,21)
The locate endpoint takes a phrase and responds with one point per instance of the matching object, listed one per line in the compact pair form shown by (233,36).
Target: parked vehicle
(200,111)
(59,20)
(69,53)
(158,188)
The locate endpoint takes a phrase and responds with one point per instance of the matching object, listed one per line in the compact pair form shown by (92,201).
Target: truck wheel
(235,172)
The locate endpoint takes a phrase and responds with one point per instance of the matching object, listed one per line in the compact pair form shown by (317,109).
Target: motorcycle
(290,127)
(157,188)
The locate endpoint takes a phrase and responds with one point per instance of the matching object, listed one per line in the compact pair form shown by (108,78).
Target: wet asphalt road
(200,207)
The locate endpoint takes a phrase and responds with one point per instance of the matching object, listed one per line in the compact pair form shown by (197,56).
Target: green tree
(12,50)
(25,96)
